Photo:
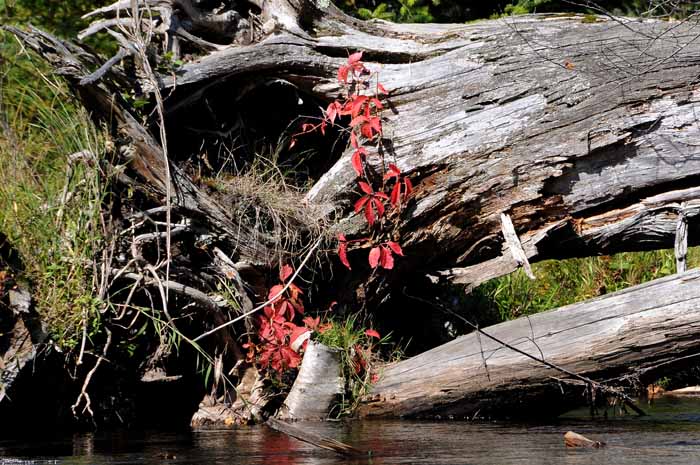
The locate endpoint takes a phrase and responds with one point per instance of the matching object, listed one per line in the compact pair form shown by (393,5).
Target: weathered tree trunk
(622,337)
(583,132)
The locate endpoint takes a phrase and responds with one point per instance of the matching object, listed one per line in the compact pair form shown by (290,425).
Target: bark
(633,334)
(582,132)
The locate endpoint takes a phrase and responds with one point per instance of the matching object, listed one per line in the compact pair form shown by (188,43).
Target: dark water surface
(670,435)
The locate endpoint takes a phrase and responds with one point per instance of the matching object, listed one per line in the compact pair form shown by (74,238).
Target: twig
(312,438)
(86,383)
(270,300)
(102,70)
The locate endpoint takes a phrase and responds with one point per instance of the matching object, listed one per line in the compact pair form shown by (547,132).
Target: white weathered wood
(514,246)
(317,387)
(487,118)
(681,244)
(638,331)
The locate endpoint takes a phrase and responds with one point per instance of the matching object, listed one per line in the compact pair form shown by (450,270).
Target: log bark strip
(622,335)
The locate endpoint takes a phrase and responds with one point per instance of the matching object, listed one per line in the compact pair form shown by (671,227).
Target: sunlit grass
(50,207)
(563,282)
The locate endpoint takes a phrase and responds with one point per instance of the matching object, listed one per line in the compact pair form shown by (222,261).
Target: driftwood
(621,337)
(298,432)
(572,439)
(21,337)
(581,132)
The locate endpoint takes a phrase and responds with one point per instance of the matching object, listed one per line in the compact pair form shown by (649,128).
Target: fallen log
(618,338)
(315,439)
(572,439)
(582,132)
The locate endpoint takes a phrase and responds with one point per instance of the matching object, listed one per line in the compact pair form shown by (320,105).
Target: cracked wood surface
(625,334)
(561,123)
(567,126)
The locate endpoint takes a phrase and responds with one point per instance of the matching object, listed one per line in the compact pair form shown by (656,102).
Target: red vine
(363,107)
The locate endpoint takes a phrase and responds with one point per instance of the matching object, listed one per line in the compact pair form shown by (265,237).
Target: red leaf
(379,206)
(354,58)
(372,333)
(269,312)
(387,259)
(285,272)
(290,358)
(376,124)
(343,254)
(381,195)
(297,331)
(366,188)
(366,131)
(292,143)
(377,104)
(353,140)
(357,103)
(311,322)
(356,161)
(341,237)
(286,307)
(358,120)
(374,256)
(409,186)
(369,213)
(333,111)
(274,291)
(395,247)
(381,89)
(347,107)
(361,203)
(396,194)
(343,73)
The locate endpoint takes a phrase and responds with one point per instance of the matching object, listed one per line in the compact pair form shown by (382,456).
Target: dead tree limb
(615,338)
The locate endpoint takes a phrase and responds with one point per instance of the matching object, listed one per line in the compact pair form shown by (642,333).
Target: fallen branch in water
(314,439)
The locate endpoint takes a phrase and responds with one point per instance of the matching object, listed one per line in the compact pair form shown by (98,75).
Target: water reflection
(670,435)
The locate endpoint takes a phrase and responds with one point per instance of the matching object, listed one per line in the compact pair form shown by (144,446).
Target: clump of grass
(50,205)
(563,282)
(267,202)
(358,355)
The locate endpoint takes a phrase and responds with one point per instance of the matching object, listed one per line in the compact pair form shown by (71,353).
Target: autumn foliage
(379,195)
(279,339)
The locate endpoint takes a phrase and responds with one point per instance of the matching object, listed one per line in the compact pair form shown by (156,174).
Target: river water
(669,435)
